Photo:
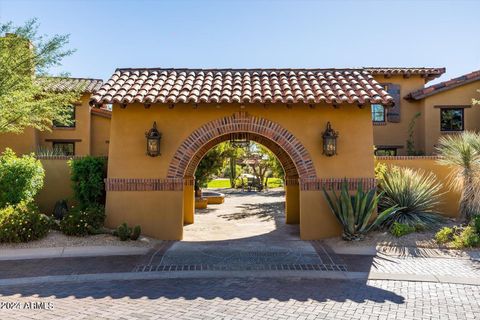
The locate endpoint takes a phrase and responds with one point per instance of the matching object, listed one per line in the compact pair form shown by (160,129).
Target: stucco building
(443,108)
(370,110)
(88,133)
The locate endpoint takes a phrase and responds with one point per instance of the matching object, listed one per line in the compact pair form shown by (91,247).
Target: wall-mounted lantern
(329,141)
(153,141)
(239,140)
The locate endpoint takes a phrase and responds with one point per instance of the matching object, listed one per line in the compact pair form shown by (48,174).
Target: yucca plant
(416,194)
(355,212)
(461,153)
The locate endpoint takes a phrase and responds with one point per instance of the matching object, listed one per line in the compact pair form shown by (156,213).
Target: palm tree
(461,153)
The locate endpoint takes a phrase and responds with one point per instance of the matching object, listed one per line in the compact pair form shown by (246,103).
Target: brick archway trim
(193,148)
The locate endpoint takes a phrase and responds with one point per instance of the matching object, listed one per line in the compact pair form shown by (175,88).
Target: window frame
(462,110)
(394,149)
(73,125)
(64,143)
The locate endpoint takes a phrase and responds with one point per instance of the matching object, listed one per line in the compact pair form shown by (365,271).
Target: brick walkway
(244,299)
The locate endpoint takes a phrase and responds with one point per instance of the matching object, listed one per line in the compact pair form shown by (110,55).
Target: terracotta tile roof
(333,86)
(427,73)
(445,85)
(102,112)
(70,84)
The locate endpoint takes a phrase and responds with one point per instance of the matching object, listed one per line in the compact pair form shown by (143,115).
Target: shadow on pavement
(263,211)
(320,290)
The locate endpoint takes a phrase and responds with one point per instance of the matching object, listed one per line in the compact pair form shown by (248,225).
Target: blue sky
(244,34)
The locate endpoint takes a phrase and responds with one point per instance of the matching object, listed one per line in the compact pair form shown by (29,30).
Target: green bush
(20,178)
(137,230)
(354,212)
(400,229)
(444,235)
(124,232)
(22,222)
(468,238)
(81,222)
(415,193)
(88,174)
(476,223)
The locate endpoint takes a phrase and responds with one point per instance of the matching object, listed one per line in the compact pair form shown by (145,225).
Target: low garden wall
(449,206)
(57,184)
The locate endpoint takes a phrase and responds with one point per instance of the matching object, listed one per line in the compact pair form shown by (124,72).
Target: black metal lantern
(329,141)
(239,140)
(153,141)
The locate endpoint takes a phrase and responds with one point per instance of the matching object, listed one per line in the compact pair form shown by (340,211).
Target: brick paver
(245,299)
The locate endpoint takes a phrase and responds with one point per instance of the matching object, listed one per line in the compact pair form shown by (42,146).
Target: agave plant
(355,212)
(461,153)
(415,193)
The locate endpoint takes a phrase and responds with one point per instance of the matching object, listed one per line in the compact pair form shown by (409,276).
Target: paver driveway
(246,299)
(243,215)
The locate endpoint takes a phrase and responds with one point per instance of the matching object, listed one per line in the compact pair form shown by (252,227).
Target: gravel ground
(387,243)
(58,239)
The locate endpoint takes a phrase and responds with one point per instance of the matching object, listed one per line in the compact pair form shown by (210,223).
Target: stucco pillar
(292,201)
(188,201)
(316,219)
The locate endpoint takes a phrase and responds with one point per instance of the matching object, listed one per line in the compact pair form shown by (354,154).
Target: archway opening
(253,207)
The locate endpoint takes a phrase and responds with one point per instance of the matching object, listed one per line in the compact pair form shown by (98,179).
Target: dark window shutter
(393,113)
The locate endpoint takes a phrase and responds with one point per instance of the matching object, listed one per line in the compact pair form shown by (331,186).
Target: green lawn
(225,183)
(219,183)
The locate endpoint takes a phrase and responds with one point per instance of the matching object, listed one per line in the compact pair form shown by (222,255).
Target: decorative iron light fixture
(239,140)
(153,141)
(329,141)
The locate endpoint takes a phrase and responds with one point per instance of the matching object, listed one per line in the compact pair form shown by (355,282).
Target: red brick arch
(293,156)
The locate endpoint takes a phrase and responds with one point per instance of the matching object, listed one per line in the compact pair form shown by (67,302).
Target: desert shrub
(354,212)
(88,174)
(380,169)
(137,230)
(60,210)
(400,229)
(81,222)
(22,222)
(444,235)
(476,223)
(96,215)
(20,178)
(466,239)
(415,193)
(124,232)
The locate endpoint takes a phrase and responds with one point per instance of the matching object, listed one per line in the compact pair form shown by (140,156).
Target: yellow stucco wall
(449,205)
(128,127)
(396,134)
(93,130)
(21,143)
(57,185)
(100,135)
(461,95)
(81,131)
(160,212)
